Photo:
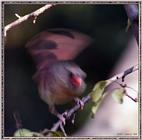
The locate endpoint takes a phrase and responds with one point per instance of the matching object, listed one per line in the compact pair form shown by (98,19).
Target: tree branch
(34,15)
(132,13)
(122,75)
(87,98)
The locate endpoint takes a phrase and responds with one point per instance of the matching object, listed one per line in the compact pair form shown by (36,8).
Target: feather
(56,44)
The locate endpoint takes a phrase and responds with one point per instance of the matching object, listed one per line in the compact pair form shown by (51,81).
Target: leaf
(57,133)
(26,133)
(128,25)
(96,105)
(35,134)
(95,109)
(96,95)
(98,91)
(118,95)
(23,133)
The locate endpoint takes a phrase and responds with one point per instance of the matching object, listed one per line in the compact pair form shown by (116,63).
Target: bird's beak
(77,81)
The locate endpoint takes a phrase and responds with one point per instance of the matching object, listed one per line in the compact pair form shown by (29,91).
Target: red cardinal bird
(59,80)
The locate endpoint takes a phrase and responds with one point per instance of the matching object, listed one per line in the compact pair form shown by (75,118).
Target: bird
(59,79)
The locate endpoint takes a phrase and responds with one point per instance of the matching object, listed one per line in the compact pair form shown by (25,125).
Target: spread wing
(56,44)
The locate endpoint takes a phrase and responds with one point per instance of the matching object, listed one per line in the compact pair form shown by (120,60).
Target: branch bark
(87,98)
(33,15)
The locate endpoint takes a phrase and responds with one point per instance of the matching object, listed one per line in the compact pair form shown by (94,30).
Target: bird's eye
(71,74)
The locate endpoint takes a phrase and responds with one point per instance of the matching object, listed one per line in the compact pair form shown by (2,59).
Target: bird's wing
(56,44)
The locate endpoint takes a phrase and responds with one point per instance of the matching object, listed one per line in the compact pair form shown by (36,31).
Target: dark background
(106,24)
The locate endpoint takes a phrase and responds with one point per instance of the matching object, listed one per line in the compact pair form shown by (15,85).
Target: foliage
(118,95)
(26,133)
(97,95)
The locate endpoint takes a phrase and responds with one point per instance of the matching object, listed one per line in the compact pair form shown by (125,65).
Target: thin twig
(132,89)
(134,99)
(18,121)
(122,75)
(20,19)
(71,112)
(87,98)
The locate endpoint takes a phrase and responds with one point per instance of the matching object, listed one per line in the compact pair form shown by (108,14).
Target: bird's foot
(62,117)
(80,102)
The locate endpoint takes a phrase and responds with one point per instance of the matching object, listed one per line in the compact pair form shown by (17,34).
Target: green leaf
(26,133)
(118,95)
(23,133)
(96,105)
(57,133)
(35,134)
(95,109)
(97,95)
(128,25)
(98,91)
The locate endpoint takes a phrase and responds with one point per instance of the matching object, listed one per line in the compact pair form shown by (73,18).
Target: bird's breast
(55,93)
(62,97)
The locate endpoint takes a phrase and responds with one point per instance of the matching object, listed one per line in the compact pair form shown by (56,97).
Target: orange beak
(76,80)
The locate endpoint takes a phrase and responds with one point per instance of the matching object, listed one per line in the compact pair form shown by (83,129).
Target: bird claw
(62,117)
(73,119)
(80,102)
(62,128)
